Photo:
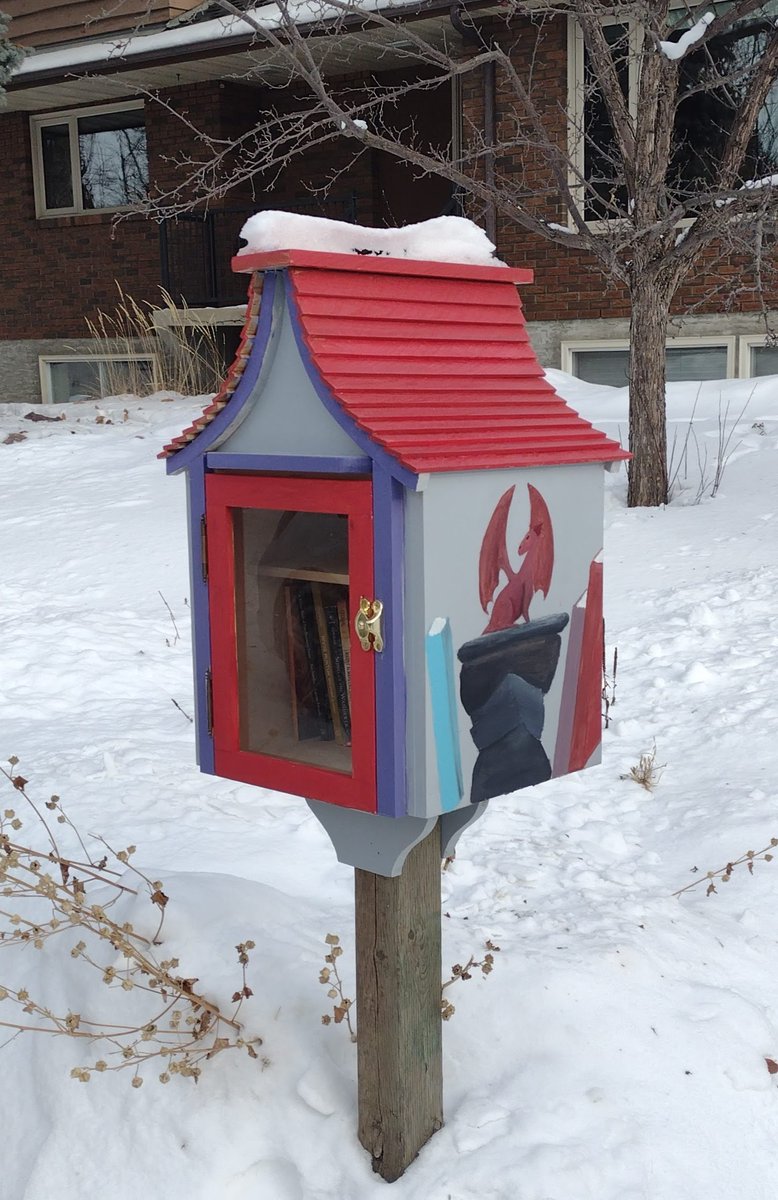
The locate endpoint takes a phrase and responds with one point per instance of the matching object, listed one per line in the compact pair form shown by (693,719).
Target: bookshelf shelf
(305,573)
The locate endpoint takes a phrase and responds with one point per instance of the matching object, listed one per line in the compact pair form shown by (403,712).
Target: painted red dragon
(511,604)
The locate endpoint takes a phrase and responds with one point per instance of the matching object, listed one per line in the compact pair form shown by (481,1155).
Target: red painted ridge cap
(378,264)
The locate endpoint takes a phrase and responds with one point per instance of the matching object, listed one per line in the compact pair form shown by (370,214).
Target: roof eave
(213,48)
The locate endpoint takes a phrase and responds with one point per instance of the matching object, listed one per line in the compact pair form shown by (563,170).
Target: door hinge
(204,548)
(209,701)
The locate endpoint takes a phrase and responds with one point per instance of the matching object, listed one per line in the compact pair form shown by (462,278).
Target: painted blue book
(442,683)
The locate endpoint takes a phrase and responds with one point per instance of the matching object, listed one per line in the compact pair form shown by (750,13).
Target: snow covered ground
(617,1051)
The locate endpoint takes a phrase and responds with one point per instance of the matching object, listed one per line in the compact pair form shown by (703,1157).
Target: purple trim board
(389,560)
(295,464)
(201,637)
(234,408)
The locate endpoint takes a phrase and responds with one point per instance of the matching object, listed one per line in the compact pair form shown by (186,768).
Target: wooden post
(399,1048)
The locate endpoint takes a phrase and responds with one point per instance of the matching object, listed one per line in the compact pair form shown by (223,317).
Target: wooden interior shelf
(310,573)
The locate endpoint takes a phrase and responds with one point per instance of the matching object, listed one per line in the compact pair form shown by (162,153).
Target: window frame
(570,347)
(46,361)
(70,117)
(576,103)
(747,343)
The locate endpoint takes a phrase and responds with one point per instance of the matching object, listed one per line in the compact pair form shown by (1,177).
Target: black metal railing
(196,248)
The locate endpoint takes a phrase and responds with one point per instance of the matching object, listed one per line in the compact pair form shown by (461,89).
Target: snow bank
(755,399)
(442,239)
(617,1052)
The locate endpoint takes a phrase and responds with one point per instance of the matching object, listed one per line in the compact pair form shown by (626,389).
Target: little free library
(395,535)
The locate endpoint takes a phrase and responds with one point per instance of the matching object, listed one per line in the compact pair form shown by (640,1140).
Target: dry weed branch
(646,772)
(609,685)
(185,350)
(46,892)
(725,873)
(459,972)
(330,976)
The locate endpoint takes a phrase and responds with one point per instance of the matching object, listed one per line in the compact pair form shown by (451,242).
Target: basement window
(608,362)
(68,378)
(93,160)
(758,356)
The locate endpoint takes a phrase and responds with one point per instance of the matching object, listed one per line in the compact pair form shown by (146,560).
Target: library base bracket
(381,844)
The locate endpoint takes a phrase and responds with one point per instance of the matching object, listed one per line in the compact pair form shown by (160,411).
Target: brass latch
(368,624)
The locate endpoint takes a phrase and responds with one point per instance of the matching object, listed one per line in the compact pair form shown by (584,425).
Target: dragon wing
(540,521)
(494,550)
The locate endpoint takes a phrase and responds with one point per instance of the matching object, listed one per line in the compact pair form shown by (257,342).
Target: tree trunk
(647,377)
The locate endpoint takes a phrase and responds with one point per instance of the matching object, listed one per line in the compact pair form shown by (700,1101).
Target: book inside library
(293,635)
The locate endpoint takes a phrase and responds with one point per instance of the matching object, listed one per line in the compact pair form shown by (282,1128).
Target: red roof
(432,360)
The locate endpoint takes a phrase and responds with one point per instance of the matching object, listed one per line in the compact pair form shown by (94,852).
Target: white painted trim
(230,314)
(574,112)
(46,361)
(576,102)
(69,117)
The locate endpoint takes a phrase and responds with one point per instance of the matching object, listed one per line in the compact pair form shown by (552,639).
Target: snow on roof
(267,16)
(441,239)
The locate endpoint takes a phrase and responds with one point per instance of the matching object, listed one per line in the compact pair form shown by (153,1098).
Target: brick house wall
(65,269)
(57,270)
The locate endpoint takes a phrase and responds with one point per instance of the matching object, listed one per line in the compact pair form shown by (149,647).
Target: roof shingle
(432,361)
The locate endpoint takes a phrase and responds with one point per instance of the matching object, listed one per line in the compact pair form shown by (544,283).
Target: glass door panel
(293,635)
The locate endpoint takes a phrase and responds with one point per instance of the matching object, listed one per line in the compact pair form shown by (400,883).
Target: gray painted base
(382,844)
(453,825)
(368,840)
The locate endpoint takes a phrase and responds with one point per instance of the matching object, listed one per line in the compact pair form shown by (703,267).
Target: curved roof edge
(429,364)
(231,380)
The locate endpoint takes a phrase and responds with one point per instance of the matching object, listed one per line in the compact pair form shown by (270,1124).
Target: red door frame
(354,498)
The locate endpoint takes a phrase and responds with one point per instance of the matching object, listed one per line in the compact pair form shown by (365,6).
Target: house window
(70,378)
(758,356)
(703,120)
(608,362)
(601,366)
(91,160)
(606,193)
(590,132)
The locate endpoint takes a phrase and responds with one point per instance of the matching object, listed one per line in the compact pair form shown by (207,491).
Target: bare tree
(665,162)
